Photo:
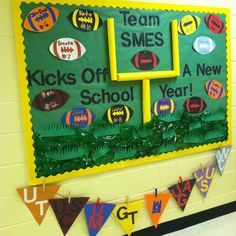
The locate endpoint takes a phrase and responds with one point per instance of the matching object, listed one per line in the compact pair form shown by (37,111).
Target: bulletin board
(110,85)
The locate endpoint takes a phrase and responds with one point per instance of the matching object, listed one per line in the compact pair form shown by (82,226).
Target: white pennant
(222,156)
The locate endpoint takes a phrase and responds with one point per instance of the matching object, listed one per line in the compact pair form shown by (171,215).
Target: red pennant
(182,191)
(66,210)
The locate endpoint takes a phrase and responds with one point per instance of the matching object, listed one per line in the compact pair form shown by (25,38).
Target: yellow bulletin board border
(25,101)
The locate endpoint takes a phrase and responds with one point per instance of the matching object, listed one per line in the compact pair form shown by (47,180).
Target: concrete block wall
(15,218)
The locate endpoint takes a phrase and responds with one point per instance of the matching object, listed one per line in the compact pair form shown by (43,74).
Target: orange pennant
(156,205)
(36,199)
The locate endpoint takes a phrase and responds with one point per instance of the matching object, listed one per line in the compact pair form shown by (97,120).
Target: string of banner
(67,209)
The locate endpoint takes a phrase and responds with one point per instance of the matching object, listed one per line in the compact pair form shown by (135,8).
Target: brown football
(50,100)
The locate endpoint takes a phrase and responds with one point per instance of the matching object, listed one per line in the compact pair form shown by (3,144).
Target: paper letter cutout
(96,216)
(156,205)
(37,200)
(204,178)
(126,214)
(66,211)
(222,156)
(181,192)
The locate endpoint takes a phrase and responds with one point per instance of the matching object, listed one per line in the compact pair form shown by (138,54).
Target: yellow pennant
(127,214)
(36,199)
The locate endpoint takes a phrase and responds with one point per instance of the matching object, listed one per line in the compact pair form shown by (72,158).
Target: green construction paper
(167,148)
(194,126)
(220,115)
(59,148)
(214,134)
(198,138)
(168,134)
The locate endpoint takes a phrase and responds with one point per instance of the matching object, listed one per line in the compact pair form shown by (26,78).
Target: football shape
(50,100)
(204,45)
(118,114)
(79,117)
(67,49)
(145,60)
(164,106)
(41,19)
(215,24)
(188,24)
(195,105)
(215,89)
(85,20)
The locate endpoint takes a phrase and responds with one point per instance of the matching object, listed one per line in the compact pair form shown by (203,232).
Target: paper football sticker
(215,89)
(181,192)
(127,213)
(215,24)
(66,211)
(96,216)
(50,100)
(36,199)
(156,205)
(204,178)
(222,157)
(204,45)
(195,105)
(41,19)
(79,117)
(164,106)
(118,114)
(85,20)
(188,24)
(145,60)
(67,49)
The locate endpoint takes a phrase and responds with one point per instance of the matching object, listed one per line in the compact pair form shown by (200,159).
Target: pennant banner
(204,178)
(156,205)
(181,192)
(36,199)
(96,216)
(126,214)
(222,157)
(66,210)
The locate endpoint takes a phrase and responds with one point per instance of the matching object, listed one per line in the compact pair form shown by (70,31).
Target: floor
(221,226)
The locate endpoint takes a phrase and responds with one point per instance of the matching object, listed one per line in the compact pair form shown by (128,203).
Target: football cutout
(118,114)
(188,24)
(50,100)
(145,60)
(215,24)
(164,106)
(204,45)
(67,49)
(41,19)
(215,89)
(85,20)
(80,117)
(195,105)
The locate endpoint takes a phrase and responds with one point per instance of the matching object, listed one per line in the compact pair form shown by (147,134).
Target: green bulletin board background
(108,143)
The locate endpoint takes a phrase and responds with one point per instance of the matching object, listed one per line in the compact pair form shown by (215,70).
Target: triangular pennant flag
(204,178)
(156,205)
(96,215)
(181,192)
(127,214)
(222,157)
(66,210)
(36,199)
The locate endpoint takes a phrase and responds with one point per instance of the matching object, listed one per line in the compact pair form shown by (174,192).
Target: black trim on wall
(187,221)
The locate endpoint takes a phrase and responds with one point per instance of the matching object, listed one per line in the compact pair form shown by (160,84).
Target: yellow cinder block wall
(15,218)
